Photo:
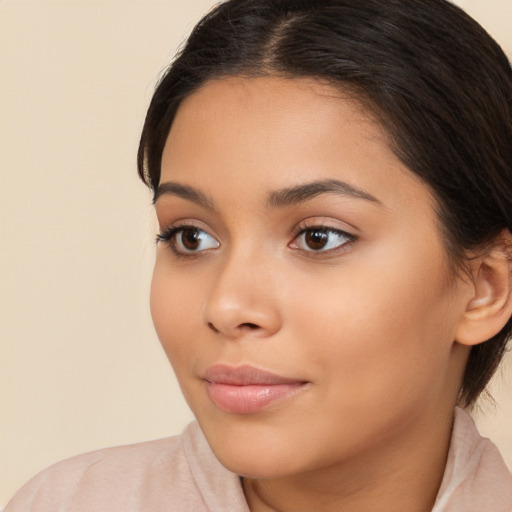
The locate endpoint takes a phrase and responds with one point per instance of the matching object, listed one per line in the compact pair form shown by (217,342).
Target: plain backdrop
(80,365)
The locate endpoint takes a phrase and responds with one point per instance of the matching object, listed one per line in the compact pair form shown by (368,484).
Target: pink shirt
(181,474)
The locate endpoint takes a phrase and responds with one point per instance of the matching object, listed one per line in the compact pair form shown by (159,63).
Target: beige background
(80,366)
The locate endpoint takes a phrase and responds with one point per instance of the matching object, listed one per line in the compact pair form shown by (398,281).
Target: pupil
(316,239)
(190,238)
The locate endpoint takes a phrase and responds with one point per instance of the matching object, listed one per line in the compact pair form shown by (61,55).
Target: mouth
(247,390)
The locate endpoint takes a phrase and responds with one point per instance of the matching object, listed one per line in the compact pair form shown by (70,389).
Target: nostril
(212,327)
(248,325)
(245,326)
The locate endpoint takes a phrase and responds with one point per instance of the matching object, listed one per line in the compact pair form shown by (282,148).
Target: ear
(490,306)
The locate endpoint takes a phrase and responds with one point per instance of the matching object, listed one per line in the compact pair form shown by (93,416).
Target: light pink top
(181,474)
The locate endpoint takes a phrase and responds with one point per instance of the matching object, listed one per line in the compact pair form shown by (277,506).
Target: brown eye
(321,239)
(189,239)
(316,239)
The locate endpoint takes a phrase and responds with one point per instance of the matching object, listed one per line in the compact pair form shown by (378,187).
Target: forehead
(272,132)
(248,104)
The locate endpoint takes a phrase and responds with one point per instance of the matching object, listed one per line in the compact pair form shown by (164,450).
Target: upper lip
(244,375)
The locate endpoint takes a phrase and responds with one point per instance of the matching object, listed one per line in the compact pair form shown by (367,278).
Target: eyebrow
(301,193)
(172,188)
(277,199)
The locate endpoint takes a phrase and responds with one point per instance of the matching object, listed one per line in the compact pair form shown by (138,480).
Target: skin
(368,323)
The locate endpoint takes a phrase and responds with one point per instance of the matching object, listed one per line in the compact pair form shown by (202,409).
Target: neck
(404,475)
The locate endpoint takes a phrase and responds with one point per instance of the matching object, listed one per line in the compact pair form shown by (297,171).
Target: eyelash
(304,229)
(168,236)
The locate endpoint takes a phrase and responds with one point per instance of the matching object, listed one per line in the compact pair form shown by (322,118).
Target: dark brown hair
(438,83)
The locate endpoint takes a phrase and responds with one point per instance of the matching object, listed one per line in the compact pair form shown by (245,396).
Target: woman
(333,185)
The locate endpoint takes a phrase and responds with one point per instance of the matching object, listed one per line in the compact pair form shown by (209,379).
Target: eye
(188,239)
(321,239)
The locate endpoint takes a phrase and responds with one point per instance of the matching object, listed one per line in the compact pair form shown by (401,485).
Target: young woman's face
(301,289)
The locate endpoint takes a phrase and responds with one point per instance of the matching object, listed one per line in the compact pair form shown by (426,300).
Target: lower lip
(251,398)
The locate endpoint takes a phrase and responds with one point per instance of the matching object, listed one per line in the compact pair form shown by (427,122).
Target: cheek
(175,309)
(380,329)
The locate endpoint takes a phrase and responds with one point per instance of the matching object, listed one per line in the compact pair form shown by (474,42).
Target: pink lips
(246,390)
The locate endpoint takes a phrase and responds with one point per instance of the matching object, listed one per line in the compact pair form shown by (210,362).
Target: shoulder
(153,475)
(476,477)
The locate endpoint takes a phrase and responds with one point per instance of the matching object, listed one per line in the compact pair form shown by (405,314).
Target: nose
(242,301)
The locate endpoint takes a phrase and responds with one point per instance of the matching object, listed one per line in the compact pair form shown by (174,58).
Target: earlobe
(490,306)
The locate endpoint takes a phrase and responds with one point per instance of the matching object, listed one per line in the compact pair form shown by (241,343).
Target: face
(301,289)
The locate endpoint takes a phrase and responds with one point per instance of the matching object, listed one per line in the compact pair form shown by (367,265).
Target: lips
(247,390)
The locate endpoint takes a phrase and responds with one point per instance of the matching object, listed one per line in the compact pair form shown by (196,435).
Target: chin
(257,464)
(255,449)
